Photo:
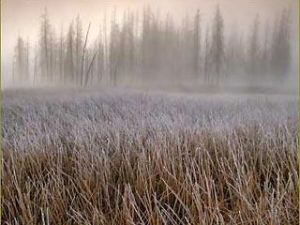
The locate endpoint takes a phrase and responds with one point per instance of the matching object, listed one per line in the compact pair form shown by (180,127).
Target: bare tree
(217,46)
(45,45)
(254,50)
(78,48)
(105,46)
(83,54)
(114,50)
(61,55)
(281,53)
(197,43)
(100,57)
(27,63)
(21,61)
(265,57)
(207,56)
(69,60)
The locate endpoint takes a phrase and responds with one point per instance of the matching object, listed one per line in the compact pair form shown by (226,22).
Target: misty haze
(150,46)
(150,112)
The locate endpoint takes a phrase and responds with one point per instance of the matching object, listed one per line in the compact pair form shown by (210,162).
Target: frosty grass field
(130,158)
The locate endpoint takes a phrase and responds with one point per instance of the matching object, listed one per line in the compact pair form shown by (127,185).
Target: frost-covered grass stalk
(117,158)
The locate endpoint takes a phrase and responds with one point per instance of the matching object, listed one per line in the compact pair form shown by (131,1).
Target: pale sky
(23,16)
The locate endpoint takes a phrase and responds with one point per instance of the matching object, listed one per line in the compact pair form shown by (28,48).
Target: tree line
(146,47)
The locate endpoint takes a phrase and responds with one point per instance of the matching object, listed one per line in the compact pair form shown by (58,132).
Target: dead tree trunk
(83,53)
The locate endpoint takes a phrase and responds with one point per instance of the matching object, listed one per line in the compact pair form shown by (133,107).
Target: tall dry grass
(146,159)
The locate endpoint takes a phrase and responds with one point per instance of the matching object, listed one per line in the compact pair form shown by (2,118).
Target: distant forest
(145,47)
